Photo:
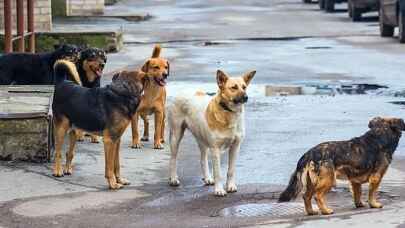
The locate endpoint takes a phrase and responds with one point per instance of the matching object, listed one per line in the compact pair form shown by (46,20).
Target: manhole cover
(263,209)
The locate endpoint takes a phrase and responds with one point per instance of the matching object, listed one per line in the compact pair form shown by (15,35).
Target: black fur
(91,109)
(359,156)
(33,69)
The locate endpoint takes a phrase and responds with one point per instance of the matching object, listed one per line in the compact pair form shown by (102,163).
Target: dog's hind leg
(325,181)
(61,127)
(117,166)
(356,191)
(176,134)
(136,143)
(145,136)
(216,164)
(71,153)
(204,165)
(309,192)
(158,130)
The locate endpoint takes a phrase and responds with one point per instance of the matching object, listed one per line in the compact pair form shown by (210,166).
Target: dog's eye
(156,67)
(235,87)
(243,87)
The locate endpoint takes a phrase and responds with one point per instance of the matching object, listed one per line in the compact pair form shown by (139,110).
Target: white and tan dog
(217,124)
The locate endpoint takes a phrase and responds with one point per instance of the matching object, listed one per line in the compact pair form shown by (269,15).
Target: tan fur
(153,101)
(72,69)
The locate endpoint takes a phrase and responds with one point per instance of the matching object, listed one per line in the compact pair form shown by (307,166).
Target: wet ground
(288,43)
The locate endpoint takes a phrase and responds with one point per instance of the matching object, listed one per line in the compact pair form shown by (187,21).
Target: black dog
(33,69)
(90,67)
(105,111)
(360,160)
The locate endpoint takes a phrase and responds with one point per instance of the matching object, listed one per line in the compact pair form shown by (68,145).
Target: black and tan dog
(153,100)
(105,111)
(360,160)
(34,69)
(90,67)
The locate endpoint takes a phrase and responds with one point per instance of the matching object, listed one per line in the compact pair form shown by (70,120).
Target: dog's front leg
(109,153)
(233,155)
(136,143)
(216,163)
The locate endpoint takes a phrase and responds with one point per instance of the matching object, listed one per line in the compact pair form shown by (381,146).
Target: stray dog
(105,111)
(217,125)
(90,67)
(34,69)
(360,160)
(153,100)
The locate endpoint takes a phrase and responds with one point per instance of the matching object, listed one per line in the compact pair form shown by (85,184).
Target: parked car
(328,5)
(391,15)
(357,7)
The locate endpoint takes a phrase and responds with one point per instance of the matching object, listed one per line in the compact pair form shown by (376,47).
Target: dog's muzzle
(241,100)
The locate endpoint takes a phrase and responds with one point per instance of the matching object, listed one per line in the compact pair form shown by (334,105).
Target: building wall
(84,7)
(42,14)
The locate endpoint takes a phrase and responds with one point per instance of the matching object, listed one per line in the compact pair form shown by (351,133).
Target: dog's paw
(68,170)
(158,146)
(123,181)
(231,187)
(145,139)
(327,211)
(220,192)
(136,145)
(312,212)
(174,182)
(375,205)
(115,186)
(58,171)
(94,139)
(359,204)
(208,181)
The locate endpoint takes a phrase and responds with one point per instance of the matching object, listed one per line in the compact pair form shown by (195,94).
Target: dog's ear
(221,79)
(145,67)
(156,51)
(376,122)
(398,124)
(248,77)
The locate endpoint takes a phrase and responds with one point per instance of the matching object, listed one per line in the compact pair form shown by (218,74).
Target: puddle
(262,209)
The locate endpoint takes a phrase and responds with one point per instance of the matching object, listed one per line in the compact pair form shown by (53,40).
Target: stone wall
(42,15)
(84,7)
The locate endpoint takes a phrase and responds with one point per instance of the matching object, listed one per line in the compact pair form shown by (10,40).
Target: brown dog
(105,111)
(153,100)
(363,159)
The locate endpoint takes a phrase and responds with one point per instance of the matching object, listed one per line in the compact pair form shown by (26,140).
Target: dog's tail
(156,51)
(297,181)
(66,70)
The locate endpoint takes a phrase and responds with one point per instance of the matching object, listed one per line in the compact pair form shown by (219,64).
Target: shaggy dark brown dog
(360,160)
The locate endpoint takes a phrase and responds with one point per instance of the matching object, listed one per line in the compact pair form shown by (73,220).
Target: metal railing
(21,34)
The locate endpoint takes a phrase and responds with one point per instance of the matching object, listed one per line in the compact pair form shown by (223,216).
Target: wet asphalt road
(298,46)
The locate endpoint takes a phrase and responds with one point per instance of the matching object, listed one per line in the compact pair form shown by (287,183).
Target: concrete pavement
(243,35)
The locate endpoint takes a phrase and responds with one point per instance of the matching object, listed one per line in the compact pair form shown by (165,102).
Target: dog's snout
(245,98)
(165,75)
(102,65)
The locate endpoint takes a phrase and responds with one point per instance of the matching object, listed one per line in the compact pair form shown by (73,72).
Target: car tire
(401,26)
(306,1)
(329,5)
(321,4)
(356,13)
(385,30)
(349,8)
